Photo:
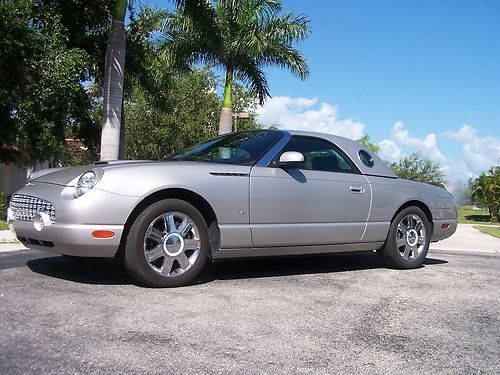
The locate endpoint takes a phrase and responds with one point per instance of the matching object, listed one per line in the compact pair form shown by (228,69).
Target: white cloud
(306,114)
(480,153)
(392,149)
(389,150)
(477,154)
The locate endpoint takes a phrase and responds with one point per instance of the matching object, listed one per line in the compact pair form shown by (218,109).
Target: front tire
(167,245)
(408,241)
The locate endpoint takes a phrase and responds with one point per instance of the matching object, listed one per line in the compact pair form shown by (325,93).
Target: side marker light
(100,234)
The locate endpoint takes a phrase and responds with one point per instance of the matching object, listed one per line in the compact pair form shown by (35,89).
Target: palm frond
(254,77)
(179,48)
(242,35)
(202,14)
(288,27)
(183,40)
(286,57)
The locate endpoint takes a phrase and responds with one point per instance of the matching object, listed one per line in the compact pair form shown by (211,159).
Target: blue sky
(414,75)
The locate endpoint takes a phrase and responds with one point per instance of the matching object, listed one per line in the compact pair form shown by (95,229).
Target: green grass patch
(467,215)
(3,225)
(492,231)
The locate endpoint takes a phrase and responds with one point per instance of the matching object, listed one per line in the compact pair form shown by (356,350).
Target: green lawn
(3,225)
(469,216)
(493,231)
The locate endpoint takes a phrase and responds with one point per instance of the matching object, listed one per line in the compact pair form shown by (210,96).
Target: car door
(324,201)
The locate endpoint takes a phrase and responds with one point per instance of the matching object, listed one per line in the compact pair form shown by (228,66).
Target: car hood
(65,176)
(58,176)
(69,176)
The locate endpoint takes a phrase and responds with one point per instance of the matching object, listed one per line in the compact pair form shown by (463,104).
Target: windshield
(244,148)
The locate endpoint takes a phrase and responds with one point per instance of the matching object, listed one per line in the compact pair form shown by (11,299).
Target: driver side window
(319,155)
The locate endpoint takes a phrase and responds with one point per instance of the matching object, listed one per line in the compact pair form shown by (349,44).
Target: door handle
(357,189)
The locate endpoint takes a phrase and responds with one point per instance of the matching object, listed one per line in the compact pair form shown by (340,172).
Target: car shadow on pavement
(432,261)
(101,271)
(295,265)
(111,271)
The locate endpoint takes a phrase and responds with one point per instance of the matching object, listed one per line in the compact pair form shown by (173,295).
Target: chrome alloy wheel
(172,244)
(410,237)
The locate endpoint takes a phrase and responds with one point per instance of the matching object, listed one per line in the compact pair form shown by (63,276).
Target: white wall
(12,178)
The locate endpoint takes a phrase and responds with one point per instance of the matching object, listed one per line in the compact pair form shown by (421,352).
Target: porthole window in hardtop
(366,158)
(319,155)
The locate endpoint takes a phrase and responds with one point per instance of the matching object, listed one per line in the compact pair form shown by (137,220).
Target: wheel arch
(388,250)
(200,203)
(419,204)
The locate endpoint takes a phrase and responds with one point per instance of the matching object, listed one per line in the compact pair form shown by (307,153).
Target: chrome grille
(25,207)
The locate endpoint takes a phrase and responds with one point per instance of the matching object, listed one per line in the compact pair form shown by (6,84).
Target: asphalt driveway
(322,314)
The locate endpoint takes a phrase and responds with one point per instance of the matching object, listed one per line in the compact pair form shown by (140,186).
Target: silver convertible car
(247,194)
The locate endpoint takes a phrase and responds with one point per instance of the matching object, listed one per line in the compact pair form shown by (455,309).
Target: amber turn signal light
(103,234)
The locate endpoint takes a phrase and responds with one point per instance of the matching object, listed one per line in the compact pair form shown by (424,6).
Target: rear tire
(167,245)
(408,241)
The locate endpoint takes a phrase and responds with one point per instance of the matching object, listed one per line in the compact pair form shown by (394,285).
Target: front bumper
(69,239)
(69,229)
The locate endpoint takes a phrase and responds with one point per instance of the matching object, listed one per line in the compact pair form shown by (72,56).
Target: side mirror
(291,158)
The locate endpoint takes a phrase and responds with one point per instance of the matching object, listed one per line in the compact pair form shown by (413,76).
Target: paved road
(324,314)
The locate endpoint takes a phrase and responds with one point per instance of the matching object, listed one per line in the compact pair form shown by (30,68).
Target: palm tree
(113,85)
(486,191)
(242,37)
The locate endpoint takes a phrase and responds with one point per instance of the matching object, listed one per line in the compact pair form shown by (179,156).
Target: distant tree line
(415,167)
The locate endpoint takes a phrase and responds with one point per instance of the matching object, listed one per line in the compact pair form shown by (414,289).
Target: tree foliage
(51,84)
(51,73)
(48,49)
(365,141)
(486,191)
(416,168)
(242,37)
(189,115)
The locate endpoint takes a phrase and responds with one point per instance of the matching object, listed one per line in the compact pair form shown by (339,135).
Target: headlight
(85,184)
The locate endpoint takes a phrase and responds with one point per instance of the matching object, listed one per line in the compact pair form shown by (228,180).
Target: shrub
(3,205)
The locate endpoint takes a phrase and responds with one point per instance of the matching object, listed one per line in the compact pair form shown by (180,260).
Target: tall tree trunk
(493,209)
(226,113)
(121,149)
(113,85)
